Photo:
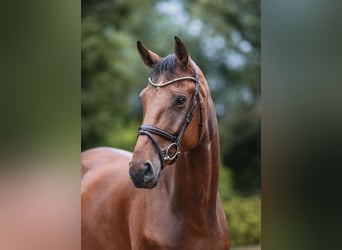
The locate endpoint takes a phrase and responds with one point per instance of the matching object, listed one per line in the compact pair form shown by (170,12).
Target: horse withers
(165,194)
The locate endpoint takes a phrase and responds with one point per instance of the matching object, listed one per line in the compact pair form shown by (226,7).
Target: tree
(110,69)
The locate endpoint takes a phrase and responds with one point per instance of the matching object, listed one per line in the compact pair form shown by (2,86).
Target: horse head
(173,113)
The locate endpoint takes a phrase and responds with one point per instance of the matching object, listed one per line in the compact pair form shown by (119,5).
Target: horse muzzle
(142,174)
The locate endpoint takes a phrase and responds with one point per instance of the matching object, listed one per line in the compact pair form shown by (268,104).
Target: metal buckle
(172,157)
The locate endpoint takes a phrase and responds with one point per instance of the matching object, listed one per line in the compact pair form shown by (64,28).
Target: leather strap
(149,130)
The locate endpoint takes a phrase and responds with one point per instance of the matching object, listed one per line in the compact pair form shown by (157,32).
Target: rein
(171,153)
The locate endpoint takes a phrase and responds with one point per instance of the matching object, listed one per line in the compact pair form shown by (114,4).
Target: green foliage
(243,214)
(124,138)
(226,190)
(244,220)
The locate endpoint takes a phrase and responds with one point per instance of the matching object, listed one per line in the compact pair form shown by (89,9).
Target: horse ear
(181,52)
(149,58)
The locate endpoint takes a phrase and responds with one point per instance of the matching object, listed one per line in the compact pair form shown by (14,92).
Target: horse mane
(166,65)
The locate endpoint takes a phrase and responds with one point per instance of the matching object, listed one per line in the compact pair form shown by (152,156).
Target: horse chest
(155,230)
(168,231)
(177,239)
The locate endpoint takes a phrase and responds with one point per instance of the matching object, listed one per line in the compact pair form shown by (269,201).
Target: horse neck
(195,176)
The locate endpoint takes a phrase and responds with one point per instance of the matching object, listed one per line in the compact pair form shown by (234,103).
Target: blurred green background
(223,38)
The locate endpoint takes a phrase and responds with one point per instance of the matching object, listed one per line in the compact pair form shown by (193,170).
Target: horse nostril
(148,171)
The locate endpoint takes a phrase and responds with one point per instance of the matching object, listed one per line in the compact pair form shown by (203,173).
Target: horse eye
(180,100)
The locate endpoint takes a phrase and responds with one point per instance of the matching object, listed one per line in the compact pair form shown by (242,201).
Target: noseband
(171,153)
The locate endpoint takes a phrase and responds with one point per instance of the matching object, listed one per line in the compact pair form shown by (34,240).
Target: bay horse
(165,194)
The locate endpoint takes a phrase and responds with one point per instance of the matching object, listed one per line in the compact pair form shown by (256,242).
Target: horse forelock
(166,65)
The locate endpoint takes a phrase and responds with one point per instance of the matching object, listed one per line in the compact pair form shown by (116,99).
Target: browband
(162,84)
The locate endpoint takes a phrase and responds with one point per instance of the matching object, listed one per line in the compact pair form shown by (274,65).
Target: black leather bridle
(171,153)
